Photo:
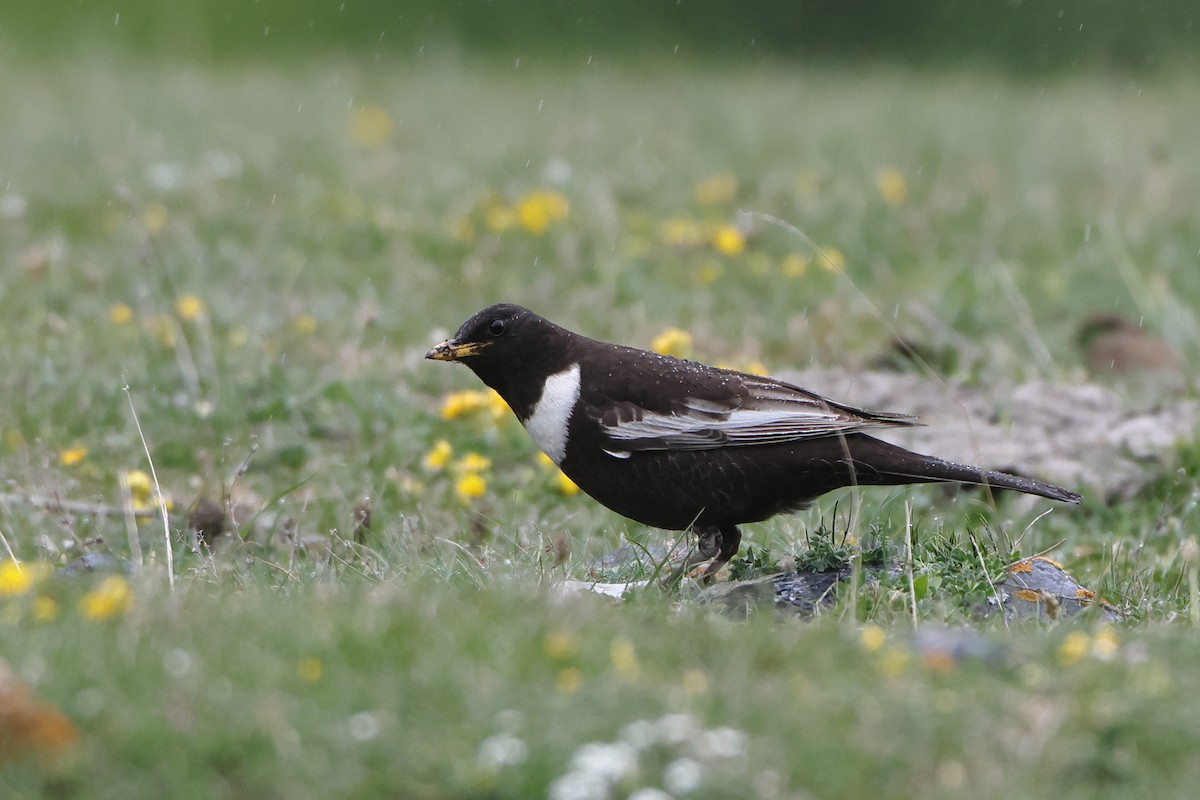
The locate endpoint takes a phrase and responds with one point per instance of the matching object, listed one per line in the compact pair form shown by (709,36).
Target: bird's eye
(496,327)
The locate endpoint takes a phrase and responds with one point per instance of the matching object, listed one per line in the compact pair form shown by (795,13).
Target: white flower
(12,206)
(767,784)
(178,663)
(364,726)
(723,743)
(610,761)
(165,176)
(502,750)
(639,734)
(683,776)
(221,164)
(676,728)
(557,171)
(649,793)
(578,786)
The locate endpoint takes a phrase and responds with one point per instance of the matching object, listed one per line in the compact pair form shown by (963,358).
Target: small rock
(90,562)
(799,592)
(1040,588)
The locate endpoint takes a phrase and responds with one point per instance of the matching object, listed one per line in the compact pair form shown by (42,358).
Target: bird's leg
(714,545)
(708,546)
(730,539)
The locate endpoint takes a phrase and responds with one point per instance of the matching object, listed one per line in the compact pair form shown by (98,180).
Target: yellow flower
(120,314)
(871,638)
(156,502)
(728,240)
(17,579)
(756,368)
(719,188)
(565,484)
(142,493)
(190,307)
(438,456)
(1074,648)
(537,209)
(139,484)
(569,680)
(680,232)
(469,487)
(473,462)
(13,439)
(1105,644)
(498,217)
(794,266)
(309,669)
(111,598)
(304,324)
(673,342)
(457,404)
(560,645)
(832,259)
(155,217)
(893,661)
(45,609)
(624,659)
(496,404)
(561,482)
(892,186)
(461,404)
(371,126)
(72,455)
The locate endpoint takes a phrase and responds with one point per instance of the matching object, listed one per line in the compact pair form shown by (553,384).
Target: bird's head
(502,342)
(489,334)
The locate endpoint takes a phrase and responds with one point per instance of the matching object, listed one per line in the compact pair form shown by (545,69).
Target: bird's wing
(748,411)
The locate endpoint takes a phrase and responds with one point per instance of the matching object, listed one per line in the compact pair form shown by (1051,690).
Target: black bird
(678,445)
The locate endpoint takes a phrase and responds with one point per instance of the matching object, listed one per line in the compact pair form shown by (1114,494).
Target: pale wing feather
(776,417)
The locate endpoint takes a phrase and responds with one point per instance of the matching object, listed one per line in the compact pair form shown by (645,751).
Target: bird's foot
(714,545)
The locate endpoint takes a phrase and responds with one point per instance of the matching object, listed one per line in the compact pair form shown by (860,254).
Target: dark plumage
(679,445)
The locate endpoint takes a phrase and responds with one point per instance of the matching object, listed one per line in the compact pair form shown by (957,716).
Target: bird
(1121,353)
(1115,345)
(675,444)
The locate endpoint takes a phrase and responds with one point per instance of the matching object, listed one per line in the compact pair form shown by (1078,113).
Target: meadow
(217,285)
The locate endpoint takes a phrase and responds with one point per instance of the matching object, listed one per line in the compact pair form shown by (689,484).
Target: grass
(261,255)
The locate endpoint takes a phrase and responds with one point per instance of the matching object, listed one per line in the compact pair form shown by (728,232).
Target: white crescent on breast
(547,425)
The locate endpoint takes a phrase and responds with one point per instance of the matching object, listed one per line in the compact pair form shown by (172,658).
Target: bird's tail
(880,463)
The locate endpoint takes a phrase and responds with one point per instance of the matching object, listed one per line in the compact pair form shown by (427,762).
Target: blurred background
(1022,37)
